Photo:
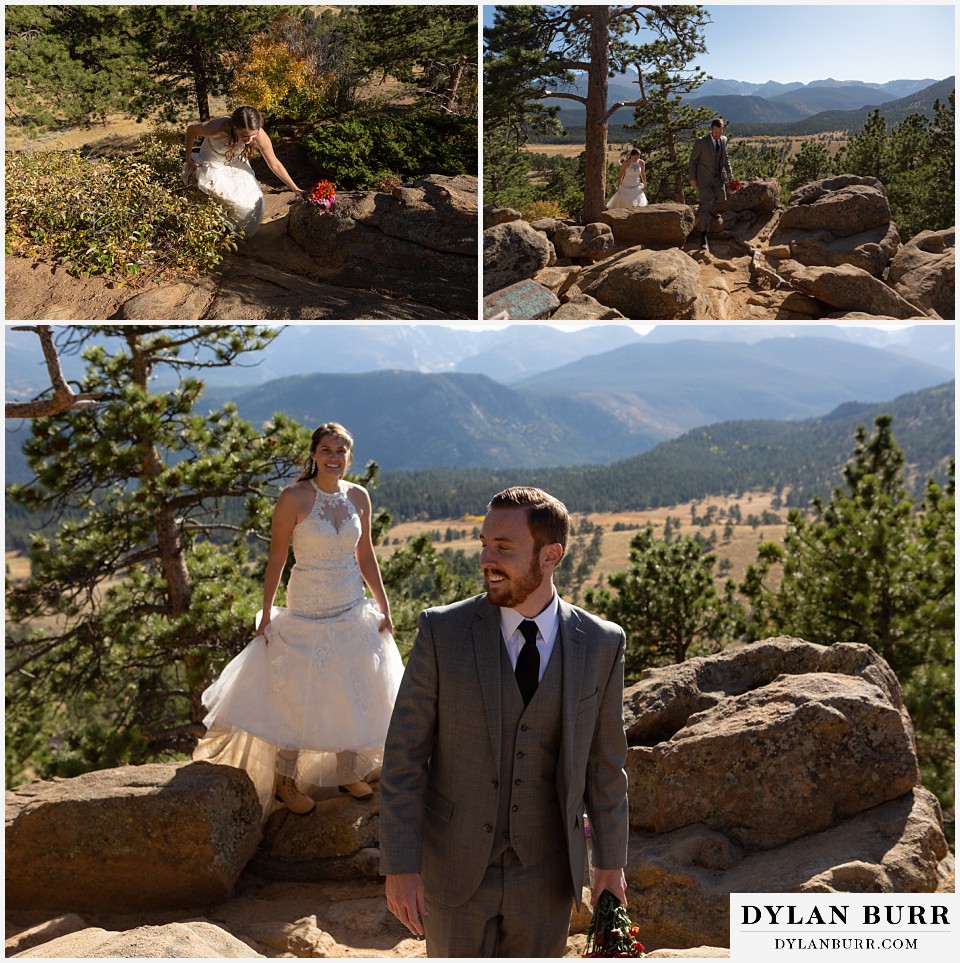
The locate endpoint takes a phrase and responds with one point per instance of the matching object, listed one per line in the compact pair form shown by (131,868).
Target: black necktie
(528,662)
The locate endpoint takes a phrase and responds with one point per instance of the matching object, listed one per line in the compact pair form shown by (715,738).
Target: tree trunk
(453,89)
(595,166)
(200,76)
(173,563)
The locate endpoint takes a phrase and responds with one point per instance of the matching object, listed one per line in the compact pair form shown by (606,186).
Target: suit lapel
(486,651)
(574,654)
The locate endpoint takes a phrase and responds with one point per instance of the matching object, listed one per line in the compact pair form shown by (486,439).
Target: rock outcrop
(778,767)
(661,285)
(754,269)
(419,241)
(851,288)
(513,251)
(192,939)
(656,225)
(840,220)
(782,766)
(923,272)
(138,837)
(592,242)
(408,255)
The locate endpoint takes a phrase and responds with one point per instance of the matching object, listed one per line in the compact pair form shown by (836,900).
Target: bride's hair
(330,428)
(243,118)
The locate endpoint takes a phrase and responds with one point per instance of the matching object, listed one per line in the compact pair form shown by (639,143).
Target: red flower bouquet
(735,186)
(323,196)
(610,932)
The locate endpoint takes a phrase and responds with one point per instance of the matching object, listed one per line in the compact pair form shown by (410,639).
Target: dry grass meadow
(741,550)
(832,141)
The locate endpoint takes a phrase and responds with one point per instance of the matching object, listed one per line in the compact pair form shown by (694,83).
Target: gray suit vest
(529,814)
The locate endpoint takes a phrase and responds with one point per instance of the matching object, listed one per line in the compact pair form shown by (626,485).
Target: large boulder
(499,215)
(762,196)
(870,250)
(656,225)
(337,840)
(781,766)
(591,242)
(791,758)
(853,289)
(651,285)
(839,220)
(844,205)
(137,837)
(512,252)
(192,939)
(683,879)
(419,241)
(582,307)
(924,272)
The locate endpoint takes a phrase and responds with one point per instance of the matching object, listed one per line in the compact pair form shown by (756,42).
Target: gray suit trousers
(711,191)
(515,912)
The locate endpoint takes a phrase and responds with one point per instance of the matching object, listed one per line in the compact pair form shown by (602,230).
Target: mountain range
(816,107)
(505,354)
(536,396)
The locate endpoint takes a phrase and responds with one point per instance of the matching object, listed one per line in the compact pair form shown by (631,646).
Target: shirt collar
(547,621)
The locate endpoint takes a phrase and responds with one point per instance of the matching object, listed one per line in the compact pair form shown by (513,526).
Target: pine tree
(147,582)
(667,602)
(73,64)
(533,53)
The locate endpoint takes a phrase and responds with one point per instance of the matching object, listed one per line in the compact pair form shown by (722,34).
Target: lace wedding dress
(324,680)
(630,192)
(233,183)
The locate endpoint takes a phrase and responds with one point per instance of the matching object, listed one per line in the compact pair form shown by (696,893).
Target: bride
(631,183)
(307,703)
(221,168)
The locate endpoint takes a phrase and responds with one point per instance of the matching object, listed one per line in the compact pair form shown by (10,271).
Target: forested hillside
(805,457)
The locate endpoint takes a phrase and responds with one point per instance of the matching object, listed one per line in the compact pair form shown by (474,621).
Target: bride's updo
(329,428)
(243,118)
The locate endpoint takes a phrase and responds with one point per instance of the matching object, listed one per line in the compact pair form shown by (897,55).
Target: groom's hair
(547,517)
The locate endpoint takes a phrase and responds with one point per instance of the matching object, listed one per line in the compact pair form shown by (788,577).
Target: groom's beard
(516,589)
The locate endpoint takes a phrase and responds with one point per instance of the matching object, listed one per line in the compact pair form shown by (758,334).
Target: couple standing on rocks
(504,728)
(709,171)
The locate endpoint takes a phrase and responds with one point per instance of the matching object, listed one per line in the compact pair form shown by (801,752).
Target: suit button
(515,808)
(496,784)
(524,727)
(517,782)
(520,755)
(487,828)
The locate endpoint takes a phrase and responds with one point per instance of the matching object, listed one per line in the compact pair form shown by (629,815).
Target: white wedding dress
(324,680)
(233,183)
(630,192)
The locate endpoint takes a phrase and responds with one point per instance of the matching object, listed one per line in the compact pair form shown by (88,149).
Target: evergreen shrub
(359,153)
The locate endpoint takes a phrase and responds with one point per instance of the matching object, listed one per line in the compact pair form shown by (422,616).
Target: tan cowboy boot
(359,790)
(296,801)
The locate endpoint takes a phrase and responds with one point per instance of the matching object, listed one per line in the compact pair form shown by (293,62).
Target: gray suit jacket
(703,160)
(438,785)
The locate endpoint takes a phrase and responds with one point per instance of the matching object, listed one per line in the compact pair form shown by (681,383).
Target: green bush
(362,152)
(119,218)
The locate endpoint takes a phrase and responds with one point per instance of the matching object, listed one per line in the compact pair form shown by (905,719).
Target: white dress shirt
(548,627)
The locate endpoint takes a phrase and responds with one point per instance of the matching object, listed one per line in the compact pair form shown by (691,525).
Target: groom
(507,726)
(709,169)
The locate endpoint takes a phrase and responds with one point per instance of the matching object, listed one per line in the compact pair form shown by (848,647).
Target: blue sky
(873,42)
